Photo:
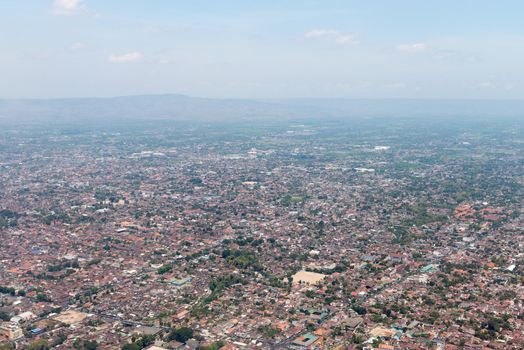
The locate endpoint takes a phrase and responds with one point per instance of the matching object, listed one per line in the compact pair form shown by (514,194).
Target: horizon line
(261,99)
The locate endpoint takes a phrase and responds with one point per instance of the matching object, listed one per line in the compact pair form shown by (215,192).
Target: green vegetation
(242,259)
(213,346)
(63,266)
(94,262)
(431,317)
(221,283)
(8,218)
(61,338)
(43,298)
(40,344)
(359,310)
(132,346)
(196,181)
(182,334)
(290,200)
(102,195)
(141,343)
(507,295)
(57,217)
(268,331)
(7,290)
(218,286)
(85,344)
(489,329)
(165,269)
(420,216)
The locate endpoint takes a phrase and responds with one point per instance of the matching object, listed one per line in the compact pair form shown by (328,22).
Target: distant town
(364,233)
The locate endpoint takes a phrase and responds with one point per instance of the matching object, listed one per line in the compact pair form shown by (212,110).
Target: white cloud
(67,7)
(333,35)
(126,58)
(78,46)
(412,48)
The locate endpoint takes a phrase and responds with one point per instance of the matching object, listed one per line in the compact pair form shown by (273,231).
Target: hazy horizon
(175,107)
(262,99)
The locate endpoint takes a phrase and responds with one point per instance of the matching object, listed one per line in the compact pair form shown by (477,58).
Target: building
(11,331)
(305,340)
(180,282)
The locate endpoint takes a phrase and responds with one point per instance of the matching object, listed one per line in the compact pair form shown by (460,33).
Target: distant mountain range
(185,108)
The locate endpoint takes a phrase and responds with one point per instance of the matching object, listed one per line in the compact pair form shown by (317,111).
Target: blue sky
(263,48)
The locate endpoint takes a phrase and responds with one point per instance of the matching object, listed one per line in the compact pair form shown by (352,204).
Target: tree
(60,339)
(213,346)
(7,290)
(359,310)
(182,334)
(141,343)
(43,298)
(40,344)
(145,341)
(268,331)
(90,345)
(164,269)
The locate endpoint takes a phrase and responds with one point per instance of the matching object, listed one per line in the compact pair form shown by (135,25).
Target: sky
(262,48)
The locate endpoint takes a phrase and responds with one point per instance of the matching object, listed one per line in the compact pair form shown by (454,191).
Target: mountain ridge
(189,108)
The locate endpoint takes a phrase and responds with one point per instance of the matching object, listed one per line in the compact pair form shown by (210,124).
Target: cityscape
(261,175)
(322,235)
